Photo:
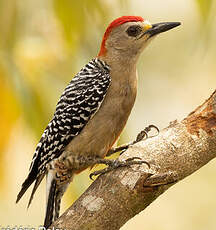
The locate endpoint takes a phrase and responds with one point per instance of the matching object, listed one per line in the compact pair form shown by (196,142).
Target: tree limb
(178,151)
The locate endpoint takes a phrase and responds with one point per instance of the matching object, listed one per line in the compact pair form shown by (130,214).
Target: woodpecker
(92,112)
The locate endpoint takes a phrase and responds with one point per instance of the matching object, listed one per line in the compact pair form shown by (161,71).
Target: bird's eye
(133,31)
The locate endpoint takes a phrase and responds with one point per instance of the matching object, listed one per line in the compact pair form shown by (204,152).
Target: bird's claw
(144,133)
(114,164)
(133,158)
(132,161)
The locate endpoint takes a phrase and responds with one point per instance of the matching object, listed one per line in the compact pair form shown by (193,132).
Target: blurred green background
(44,43)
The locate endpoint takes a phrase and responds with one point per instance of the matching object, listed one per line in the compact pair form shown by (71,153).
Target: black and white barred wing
(79,102)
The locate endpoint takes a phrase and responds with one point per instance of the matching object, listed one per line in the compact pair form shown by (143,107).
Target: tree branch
(178,151)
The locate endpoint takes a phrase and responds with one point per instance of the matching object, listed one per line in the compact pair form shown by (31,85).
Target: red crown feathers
(115,23)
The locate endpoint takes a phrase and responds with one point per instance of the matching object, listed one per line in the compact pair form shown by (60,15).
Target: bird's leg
(118,148)
(114,164)
(143,134)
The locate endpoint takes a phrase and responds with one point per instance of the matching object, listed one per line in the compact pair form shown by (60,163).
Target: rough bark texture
(178,151)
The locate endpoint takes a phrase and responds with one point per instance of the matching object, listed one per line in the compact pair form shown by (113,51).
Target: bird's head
(129,35)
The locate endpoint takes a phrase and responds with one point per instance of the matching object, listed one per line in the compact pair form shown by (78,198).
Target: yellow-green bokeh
(44,43)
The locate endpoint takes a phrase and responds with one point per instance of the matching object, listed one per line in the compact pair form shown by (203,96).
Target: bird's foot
(144,133)
(114,164)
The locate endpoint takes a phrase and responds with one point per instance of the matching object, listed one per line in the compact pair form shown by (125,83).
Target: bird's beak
(161,27)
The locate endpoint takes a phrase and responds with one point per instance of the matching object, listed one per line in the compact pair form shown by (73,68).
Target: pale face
(131,38)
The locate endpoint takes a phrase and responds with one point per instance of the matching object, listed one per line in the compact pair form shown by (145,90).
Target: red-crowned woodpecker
(92,111)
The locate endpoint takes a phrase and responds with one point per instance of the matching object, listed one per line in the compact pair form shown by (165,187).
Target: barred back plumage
(77,105)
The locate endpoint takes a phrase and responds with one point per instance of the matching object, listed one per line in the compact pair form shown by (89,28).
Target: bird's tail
(32,176)
(54,195)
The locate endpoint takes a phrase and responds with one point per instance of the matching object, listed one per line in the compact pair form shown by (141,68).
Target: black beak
(161,27)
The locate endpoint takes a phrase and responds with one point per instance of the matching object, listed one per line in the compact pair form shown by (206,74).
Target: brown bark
(178,151)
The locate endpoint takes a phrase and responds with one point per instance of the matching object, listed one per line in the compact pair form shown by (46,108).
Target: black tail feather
(55,193)
(58,197)
(50,205)
(29,180)
(37,183)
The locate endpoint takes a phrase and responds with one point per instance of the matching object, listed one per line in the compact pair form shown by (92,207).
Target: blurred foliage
(74,18)
(204,7)
(42,45)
